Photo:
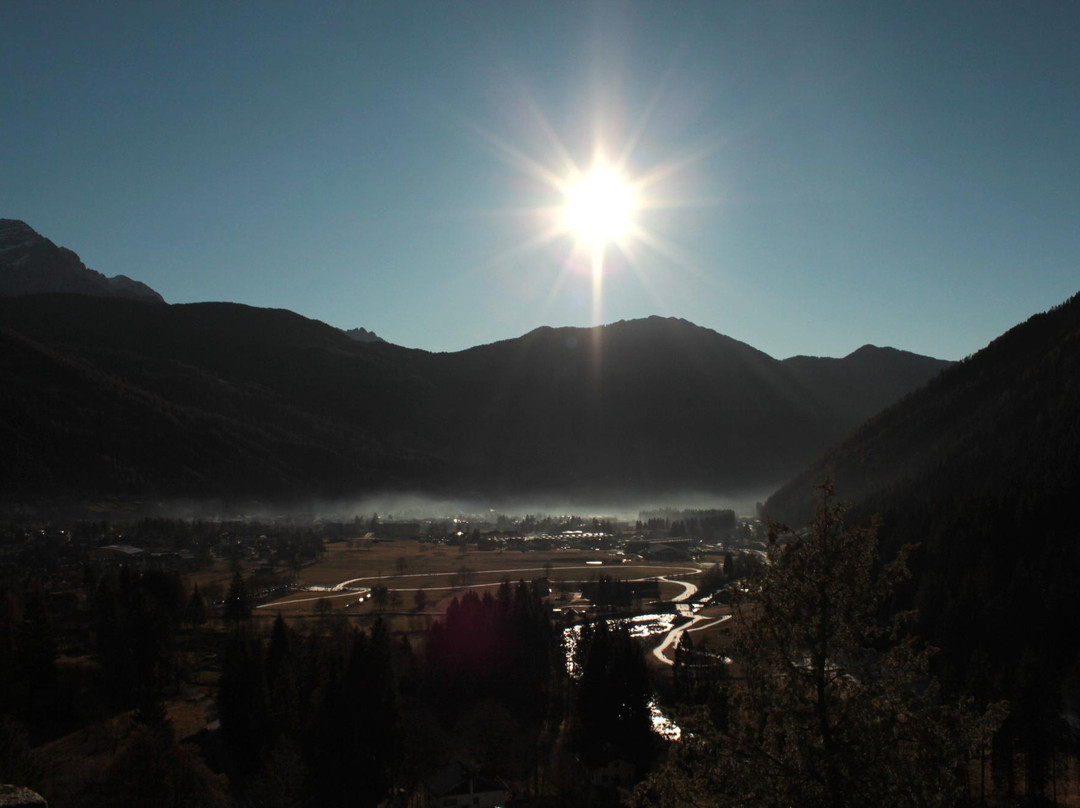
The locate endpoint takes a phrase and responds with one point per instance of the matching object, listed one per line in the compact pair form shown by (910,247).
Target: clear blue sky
(831,174)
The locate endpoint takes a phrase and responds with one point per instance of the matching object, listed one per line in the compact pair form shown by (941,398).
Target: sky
(807,177)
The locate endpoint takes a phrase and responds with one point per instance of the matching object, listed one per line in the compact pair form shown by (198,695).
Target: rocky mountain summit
(30,264)
(363,335)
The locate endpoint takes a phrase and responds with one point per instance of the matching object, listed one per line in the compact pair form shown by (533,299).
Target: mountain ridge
(630,408)
(657,403)
(32,264)
(963,405)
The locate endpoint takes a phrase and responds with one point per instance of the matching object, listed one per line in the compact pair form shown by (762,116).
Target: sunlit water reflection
(662,725)
(640,626)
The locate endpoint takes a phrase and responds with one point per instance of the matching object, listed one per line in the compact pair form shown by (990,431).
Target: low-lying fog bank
(389,506)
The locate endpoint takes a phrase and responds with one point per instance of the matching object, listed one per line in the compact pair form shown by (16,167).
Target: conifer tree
(153,769)
(37,649)
(195,612)
(237,600)
(242,699)
(282,681)
(613,698)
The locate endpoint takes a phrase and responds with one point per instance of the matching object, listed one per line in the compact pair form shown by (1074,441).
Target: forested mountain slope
(981,470)
(1000,420)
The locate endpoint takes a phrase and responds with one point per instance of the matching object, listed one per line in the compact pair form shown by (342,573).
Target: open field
(405,566)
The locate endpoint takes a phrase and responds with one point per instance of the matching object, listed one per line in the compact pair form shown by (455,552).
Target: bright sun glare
(599,207)
(598,210)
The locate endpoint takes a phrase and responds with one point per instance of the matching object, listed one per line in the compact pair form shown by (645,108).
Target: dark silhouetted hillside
(266,400)
(656,404)
(70,429)
(991,420)
(125,397)
(864,382)
(121,398)
(981,470)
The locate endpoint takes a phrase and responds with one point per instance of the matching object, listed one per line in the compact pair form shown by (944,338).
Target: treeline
(693,523)
(69,662)
(28,650)
(607,590)
(501,645)
(312,712)
(330,714)
(136,620)
(311,717)
(735,567)
(130,623)
(718,517)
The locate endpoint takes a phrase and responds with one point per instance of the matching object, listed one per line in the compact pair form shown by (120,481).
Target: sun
(597,219)
(598,211)
(600,207)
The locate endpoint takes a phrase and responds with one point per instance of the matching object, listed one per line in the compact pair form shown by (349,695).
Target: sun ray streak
(516,157)
(597,283)
(556,287)
(677,165)
(542,239)
(646,116)
(700,203)
(569,167)
(670,252)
